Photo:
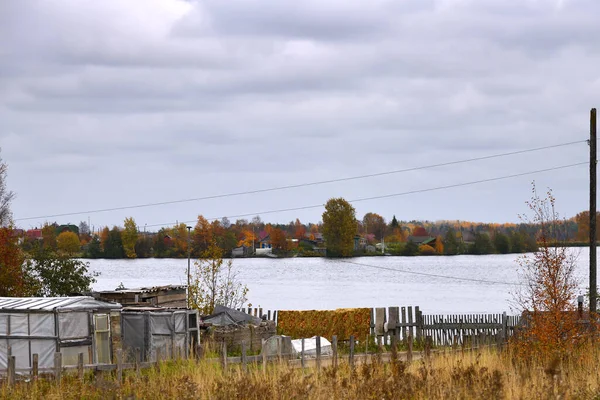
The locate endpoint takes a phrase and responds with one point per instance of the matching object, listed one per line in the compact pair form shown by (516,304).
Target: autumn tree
(419,231)
(548,293)
(202,235)
(68,243)
(49,236)
(375,224)
(279,240)
(214,281)
(439,245)
(129,237)
(6,196)
(299,230)
(339,227)
(583,226)
(13,283)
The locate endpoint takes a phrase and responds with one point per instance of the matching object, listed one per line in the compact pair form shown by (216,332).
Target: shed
(172,330)
(69,325)
(163,296)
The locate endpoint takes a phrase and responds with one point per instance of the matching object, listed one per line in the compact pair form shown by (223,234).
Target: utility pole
(593,162)
(189,249)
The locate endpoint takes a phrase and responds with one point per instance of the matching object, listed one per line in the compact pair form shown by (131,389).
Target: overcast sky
(116,103)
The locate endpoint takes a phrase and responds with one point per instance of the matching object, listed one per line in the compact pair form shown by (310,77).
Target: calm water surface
(318,283)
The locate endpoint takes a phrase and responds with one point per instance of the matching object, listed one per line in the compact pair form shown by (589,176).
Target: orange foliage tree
(278,240)
(549,287)
(12,279)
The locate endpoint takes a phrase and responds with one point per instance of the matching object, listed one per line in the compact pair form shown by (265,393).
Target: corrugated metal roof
(54,303)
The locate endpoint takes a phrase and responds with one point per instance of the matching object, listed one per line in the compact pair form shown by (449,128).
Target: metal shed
(45,325)
(173,331)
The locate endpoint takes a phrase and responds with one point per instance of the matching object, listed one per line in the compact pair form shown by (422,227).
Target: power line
(387,195)
(431,275)
(299,185)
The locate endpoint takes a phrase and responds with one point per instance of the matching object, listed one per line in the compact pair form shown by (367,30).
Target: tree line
(340,233)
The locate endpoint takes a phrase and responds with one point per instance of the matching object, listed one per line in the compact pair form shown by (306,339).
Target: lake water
(319,283)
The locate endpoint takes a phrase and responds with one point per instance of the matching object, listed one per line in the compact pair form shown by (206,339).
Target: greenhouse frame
(69,325)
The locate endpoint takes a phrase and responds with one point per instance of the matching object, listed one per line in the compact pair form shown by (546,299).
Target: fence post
(244,356)
(119,366)
(504,328)
(351,355)
(409,354)
(138,360)
(334,348)
(264,355)
(268,315)
(12,362)
(318,353)
(224,356)
(302,361)
(80,366)
(279,349)
(419,323)
(35,365)
(57,366)
(428,342)
(394,348)
(158,358)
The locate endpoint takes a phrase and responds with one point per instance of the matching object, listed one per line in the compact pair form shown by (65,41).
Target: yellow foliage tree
(426,250)
(439,245)
(68,243)
(129,237)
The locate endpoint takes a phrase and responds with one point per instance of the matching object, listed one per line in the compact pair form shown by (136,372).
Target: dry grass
(472,375)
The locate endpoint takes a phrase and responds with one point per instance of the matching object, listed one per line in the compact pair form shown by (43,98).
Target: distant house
(360,243)
(242,251)
(265,242)
(34,234)
(419,240)
(467,237)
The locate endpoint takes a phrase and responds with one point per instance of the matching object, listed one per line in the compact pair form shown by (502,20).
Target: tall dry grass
(470,375)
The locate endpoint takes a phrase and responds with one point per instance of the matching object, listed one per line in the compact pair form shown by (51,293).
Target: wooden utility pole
(593,161)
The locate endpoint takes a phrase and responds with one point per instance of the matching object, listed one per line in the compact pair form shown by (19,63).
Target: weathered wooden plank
(379,321)
(57,366)
(404,322)
(35,366)
(318,353)
(351,353)
(410,321)
(334,348)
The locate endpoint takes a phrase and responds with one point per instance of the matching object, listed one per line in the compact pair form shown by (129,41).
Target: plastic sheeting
(134,328)
(310,346)
(3,324)
(161,324)
(70,355)
(73,325)
(41,324)
(20,349)
(45,350)
(223,315)
(3,353)
(18,325)
(180,322)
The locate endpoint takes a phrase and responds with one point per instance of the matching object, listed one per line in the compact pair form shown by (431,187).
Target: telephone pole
(593,162)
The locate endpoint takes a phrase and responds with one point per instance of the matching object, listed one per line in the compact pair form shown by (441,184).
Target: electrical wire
(384,196)
(431,275)
(299,185)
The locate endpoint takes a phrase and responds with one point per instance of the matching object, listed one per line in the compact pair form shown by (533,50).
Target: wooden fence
(444,330)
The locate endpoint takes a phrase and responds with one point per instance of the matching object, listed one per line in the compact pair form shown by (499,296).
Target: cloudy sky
(114,103)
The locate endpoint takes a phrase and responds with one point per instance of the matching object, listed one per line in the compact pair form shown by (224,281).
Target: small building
(69,325)
(171,331)
(419,240)
(160,296)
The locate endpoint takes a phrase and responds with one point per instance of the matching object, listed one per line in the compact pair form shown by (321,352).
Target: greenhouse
(171,331)
(69,325)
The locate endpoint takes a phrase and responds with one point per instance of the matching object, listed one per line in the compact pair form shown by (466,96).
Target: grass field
(454,375)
